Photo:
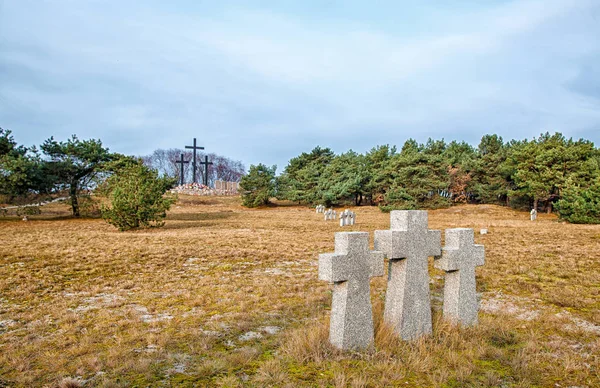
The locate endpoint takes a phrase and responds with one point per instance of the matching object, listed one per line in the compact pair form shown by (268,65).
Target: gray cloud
(263,87)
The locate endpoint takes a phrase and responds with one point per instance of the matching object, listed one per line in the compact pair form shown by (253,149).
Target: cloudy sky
(263,81)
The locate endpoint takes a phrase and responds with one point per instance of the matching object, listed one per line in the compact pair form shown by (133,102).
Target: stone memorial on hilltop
(407,245)
(349,268)
(459,258)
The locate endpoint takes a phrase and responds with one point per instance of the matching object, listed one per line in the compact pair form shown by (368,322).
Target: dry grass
(200,301)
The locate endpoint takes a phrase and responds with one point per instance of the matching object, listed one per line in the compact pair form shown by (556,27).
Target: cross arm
(332,267)
(434,243)
(391,242)
(449,260)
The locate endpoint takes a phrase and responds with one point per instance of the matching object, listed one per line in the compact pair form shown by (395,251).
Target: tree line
(547,173)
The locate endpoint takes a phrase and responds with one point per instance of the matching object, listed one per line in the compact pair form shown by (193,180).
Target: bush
(31,210)
(137,197)
(258,186)
(580,205)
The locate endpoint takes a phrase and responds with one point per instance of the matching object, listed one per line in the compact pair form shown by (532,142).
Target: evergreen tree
(300,179)
(580,205)
(136,195)
(380,174)
(258,186)
(420,173)
(490,181)
(345,178)
(542,166)
(74,164)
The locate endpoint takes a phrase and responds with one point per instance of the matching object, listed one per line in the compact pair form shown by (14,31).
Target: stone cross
(349,268)
(407,246)
(205,163)
(342,218)
(182,162)
(459,258)
(194,147)
(533,214)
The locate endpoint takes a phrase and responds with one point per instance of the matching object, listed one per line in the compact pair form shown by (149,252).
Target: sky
(263,81)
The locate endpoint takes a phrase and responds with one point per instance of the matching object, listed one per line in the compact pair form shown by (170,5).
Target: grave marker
(407,246)
(349,268)
(533,214)
(459,258)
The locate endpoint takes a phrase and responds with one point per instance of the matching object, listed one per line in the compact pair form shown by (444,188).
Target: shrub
(258,186)
(31,210)
(136,196)
(580,205)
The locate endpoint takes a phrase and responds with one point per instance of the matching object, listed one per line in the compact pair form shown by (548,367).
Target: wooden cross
(349,268)
(459,258)
(407,246)
(194,147)
(182,162)
(206,163)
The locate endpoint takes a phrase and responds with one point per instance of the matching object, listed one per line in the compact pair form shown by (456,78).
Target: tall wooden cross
(194,147)
(182,162)
(206,163)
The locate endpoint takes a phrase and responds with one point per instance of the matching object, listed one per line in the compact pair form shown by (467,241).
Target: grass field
(227,296)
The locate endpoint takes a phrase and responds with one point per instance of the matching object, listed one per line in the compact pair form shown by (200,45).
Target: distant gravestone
(328,214)
(343,219)
(349,268)
(407,246)
(533,214)
(459,258)
(352,218)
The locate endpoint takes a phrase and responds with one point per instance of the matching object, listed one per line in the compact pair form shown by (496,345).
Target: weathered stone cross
(407,246)
(459,258)
(182,162)
(349,268)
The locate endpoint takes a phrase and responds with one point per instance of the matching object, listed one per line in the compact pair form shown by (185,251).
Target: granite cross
(459,258)
(349,268)
(206,163)
(194,147)
(407,246)
(182,162)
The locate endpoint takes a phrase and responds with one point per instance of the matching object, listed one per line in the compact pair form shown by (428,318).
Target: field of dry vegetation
(227,296)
